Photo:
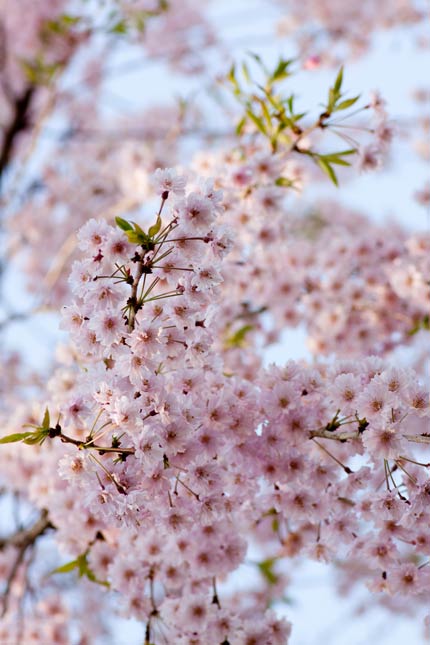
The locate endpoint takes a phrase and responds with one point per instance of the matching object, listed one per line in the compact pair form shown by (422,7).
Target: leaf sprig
(136,235)
(334,102)
(277,118)
(41,432)
(81,565)
(38,436)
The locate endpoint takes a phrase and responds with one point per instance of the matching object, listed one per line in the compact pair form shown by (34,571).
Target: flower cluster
(172,467)
(349,285)
(144,323)
(160,460)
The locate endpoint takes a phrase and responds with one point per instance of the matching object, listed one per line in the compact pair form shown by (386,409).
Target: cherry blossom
(158,456)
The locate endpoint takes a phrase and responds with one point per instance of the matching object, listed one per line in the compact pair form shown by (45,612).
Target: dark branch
(22,540)
(18,124)
(24,537)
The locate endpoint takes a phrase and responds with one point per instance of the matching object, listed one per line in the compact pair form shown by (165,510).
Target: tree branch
(347,436)
(339,436)
(24,537)
(18,124)
(22,540)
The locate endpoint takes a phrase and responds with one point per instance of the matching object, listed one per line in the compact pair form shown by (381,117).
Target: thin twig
(22,540)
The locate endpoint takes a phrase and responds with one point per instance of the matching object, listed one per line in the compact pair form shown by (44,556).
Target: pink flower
(370,158)
(167,180)
(384,442)
(195,213)
(375,401)
(108,326)
(406,579)
(345,392)
(417,398)
(92,236)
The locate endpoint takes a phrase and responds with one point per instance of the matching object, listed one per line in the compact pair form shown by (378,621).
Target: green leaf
(297,117)
(65,568)
(123,224)
(326,167)
(273,100)
(134,238)
(240,126)
(338,162)
(260,63)
(336,157)
(84,570)
(139,230)
(266,569)
(46,424)
(334,92)
(281,71)
(154,229)
(283,181)
(275,525)
(61,25)
(38,72)
(138,235)
(346,104)
(13,438)
(67,19)
(231,76)
(338,81)
(257,121)
(245,72)
(81,563)
(266,112)
(255,57)
(342,153)
(120,27)
(331,100)
(37,437)
(420,324)
(238,338)
(415,329)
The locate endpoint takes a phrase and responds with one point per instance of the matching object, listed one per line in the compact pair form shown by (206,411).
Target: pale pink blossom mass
(159,456)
